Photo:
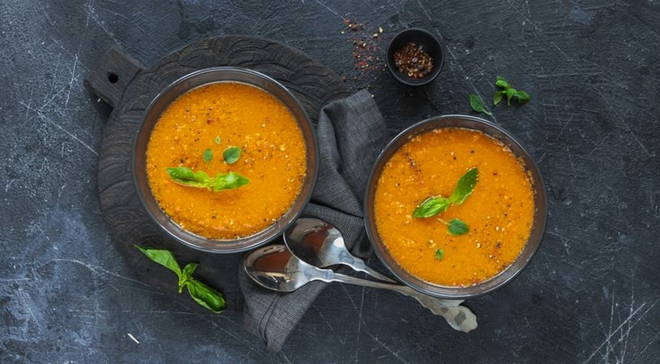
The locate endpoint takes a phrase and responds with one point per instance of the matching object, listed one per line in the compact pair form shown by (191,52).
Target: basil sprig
(509,92)
(201,293)
(434,205)
(223,181)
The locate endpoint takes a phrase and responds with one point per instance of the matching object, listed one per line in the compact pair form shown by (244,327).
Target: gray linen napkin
(351,132)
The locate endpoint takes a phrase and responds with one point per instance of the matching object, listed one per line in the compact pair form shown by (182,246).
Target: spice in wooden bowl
(413,61)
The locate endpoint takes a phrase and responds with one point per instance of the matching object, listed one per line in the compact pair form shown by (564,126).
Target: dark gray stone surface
(590,295)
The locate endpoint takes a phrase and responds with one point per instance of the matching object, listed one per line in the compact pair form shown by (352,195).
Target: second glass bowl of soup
(457,245)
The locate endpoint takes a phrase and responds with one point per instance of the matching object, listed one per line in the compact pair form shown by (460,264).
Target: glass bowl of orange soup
(455,206)
(225,122)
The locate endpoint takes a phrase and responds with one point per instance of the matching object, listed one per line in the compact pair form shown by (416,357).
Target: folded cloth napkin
(351,132)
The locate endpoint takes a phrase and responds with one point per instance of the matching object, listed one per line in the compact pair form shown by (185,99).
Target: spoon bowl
(321,244)
(275,268)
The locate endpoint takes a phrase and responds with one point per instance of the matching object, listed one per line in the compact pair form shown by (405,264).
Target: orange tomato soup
(216,117)
(499,212)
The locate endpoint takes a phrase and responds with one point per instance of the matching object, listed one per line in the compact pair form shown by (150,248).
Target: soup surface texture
(499,212)
(215,117)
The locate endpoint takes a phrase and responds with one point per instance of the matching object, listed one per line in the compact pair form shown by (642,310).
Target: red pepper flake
(366,50)
(413,61)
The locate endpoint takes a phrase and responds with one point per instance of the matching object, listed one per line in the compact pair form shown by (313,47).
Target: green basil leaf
(217,140)
(228,181)
(458,227)
(497,98)
(189,269)
(206,296)
(501,82)
(464,186)
(231,154)
(477,104)
(439,254)
(522,97)
(162,257)
(207,155)
(185,176)
(510,92)
(431,206)
(186,275)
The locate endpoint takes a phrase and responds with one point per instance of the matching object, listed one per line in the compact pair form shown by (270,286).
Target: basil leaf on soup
(464,187)
(458,227)
(207,155)
(162,257)
(185,176)
(439,254)
(228,181)
(223,181)
(431,207)
(231,154)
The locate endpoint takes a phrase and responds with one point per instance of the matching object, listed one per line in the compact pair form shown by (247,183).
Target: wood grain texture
(314,84)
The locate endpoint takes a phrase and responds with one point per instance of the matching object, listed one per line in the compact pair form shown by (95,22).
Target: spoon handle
(458,317)
(358,264)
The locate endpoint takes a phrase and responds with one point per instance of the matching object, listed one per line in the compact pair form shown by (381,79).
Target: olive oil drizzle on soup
(216,117)
(499,212)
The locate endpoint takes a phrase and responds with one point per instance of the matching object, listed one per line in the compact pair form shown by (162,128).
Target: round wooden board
(123,83)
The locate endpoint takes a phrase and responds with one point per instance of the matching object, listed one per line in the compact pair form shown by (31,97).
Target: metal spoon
(321,244)
(275,268)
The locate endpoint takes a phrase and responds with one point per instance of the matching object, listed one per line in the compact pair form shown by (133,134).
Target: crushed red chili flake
(413,61)
(366,49)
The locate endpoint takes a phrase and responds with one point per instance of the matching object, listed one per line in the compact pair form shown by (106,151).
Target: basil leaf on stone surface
(501,82)
(477,104)
(497,98)
(522,97)
(201,293)
(186,274)
(162,257)
(206,296)
(511,93)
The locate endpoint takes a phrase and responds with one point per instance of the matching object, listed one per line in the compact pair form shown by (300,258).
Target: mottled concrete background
(590,295)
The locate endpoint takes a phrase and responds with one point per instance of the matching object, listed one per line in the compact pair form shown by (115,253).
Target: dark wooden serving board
(129,87)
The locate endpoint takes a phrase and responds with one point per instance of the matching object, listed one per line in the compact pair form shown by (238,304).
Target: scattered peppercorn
(413,61)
